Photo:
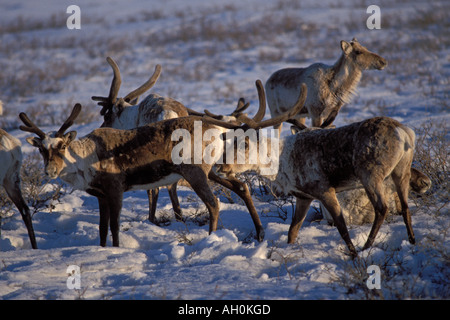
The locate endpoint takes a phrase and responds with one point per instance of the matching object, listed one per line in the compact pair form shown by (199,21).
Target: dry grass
(432,156)
(31,79)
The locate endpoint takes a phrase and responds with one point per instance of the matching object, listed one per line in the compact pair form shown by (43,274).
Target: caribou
(321,163)
(126,113)
(11,160)
(329,87)
(357,208)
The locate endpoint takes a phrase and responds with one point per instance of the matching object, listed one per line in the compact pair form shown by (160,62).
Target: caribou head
(114,106)
(360,56)
(52,145)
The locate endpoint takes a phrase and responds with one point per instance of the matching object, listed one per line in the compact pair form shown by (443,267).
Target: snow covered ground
(211,53)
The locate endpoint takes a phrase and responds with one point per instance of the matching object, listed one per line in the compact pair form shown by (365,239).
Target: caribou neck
(78,171)
(129,119)
(344,78)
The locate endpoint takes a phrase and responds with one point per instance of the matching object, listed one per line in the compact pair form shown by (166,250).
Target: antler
(30,126)
(146,86)
(297,124)
(262,102)
(192,112)
(212,115)
(110,100)
(281,118)
(253,123)
(116,81)
(73,115)
(242,106)
(220,123)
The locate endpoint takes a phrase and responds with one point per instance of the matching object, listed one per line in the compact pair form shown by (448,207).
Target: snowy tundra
(211,53)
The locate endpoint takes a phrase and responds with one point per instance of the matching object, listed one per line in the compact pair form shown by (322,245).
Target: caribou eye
(357,52)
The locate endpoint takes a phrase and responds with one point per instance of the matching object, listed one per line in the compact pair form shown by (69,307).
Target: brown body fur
(123,113)
(357,208)
(361,154)
(139,157)
(321,163)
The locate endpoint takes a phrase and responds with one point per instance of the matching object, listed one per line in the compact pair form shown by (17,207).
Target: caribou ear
(69,137)
(295,129)
(346,47)
(119,106)
(35,142)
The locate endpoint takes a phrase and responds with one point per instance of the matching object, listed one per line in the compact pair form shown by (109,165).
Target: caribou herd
(136,149)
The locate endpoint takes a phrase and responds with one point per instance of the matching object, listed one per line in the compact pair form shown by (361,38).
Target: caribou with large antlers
(125,113)
(108,162)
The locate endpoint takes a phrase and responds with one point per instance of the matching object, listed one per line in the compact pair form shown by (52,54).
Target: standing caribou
(321,163)
(357,208)
(11,162)
(125,113)
(329,87)
(108,162)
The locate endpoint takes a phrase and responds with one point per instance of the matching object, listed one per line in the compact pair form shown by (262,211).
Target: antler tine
(192,112)
(297,124)
(146,86)
(281,118)
(30,126)
(262,102)
(73,115)
(110,100)
(220,123)
(116,81)
(241,106)
(210,114)
(115,84)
